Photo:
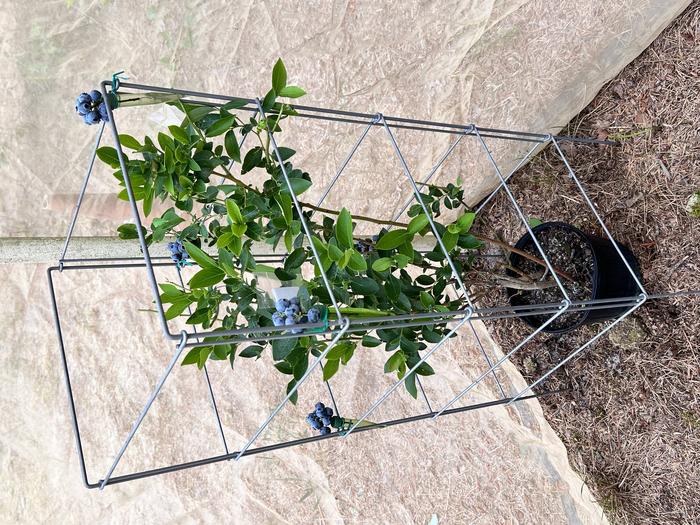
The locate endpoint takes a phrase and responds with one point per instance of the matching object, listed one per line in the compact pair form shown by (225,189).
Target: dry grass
(631,422)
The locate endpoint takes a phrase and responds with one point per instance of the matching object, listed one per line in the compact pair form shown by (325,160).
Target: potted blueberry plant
(215,217)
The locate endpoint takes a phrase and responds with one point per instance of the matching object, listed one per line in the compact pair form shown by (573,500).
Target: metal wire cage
(334,331)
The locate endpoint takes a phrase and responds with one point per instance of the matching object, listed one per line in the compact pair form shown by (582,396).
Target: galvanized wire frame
(336,329)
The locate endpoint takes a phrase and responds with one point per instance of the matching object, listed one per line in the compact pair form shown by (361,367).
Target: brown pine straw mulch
(631,421)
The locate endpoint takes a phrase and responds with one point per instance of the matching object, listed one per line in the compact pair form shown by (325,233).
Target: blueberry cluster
(322,419)
(289,313)
(91,107)
(178,254)
(366,245)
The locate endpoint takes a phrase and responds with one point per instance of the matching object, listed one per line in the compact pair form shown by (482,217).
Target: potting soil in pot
(568,253)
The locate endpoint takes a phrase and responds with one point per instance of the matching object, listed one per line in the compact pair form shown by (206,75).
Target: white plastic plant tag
(285,292)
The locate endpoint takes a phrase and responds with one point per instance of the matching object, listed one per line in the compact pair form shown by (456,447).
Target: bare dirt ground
(631,420)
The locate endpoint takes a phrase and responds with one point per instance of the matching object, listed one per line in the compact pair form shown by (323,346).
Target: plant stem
(358,217)
(500,244)
(522,253)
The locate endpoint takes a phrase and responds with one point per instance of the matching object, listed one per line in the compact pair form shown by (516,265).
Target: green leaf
(450,240)
(252,351)
(364,286)
(269,99)
(417,223)
(252,159)
(231,145)
(284,275)
(200,257)
(534,222)
(178,307)
(291,92)
(279,76)
(394,362)
(425,280)
(191,358)
(299,186)
(168,220)
(108,155)
(343,229)
(194,166)
(204,353)
(334,252)
(220,126)
(465,221)
(393,239)
(295,396)
(425,370)
(430,335)
(224,240)
(234,212)
(411,385)
(343,262)
(236,103)
(179,134)
(226,262)
(330,368)
(320,246)
(357,262)
(426,299)
(402,260)
(286,153)
(128,231)
(207,277)
(284,201)
(237,230)
(128,141)
(295,259)
(148,202)
(170,289)
(166,142)
(199,112)
(370,342)
(382,264)
(282,347)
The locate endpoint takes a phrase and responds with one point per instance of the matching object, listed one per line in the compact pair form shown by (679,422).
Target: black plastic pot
(610,279)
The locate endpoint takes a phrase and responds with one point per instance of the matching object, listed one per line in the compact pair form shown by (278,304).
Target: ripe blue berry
(93,117)
(328,411)
(291,321)
(83,108)
(319,406)
(375,238)
(310,419)
(95,95)
(102,110)
(277,319)
(294,300)
(317,425)
(83,97)
(281,305)
(325,430)
(326,421)
(292,310)
(314,315)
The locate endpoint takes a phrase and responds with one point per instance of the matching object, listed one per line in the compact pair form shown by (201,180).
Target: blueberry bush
(216,217)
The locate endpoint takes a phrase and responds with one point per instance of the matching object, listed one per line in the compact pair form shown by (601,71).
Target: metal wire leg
(81,195)
(289,395)
(642,300)
(146,408)
(387,393)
